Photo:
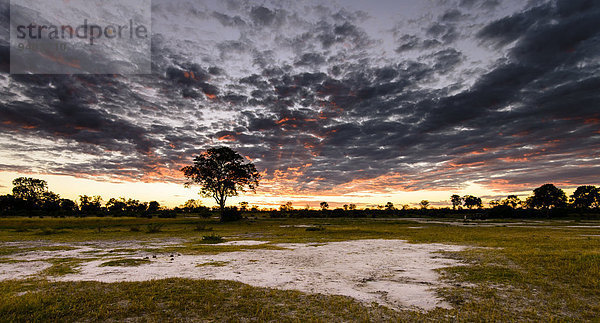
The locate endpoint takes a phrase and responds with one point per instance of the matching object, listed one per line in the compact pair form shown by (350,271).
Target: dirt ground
(393,273)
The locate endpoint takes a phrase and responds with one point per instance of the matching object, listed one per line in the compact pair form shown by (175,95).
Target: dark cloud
(319,92)
(229,21)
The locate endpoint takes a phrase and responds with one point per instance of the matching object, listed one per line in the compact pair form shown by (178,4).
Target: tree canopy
(221,173)
(29,189)
(547,196)
(586,196)
(472,201)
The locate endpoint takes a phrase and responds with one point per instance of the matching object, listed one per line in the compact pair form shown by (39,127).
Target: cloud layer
(331,98)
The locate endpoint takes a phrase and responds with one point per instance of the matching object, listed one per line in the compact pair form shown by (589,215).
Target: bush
(154,227)
(319,228)
(231,214)
(501,212)
(213,238)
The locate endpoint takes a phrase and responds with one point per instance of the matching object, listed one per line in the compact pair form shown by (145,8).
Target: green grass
(125,263)
(542,272)
(62,266)
(213,264)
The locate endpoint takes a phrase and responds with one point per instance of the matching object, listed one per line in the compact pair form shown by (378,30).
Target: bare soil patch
(389,272)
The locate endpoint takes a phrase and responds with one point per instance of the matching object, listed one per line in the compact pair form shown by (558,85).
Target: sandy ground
(389,272)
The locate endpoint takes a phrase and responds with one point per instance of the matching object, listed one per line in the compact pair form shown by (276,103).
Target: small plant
(154,227)
(319,228)
(213,238)
(231,214)
(125,263)
(213,264)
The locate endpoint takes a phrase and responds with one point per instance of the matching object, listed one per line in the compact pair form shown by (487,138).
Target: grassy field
(542,271)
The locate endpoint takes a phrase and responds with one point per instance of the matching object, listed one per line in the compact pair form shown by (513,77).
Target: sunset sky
(340,101)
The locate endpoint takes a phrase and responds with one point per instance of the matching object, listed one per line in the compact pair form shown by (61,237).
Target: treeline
(31,197)
(547,201)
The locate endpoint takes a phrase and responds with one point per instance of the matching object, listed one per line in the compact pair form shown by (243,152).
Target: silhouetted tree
(547,196)
(345,207)
(116,207)
(512,200)
(68,207)
(424,204)
(324,206)
(50,202)
(390,206)
(352,206)
(586,196)
(29,189)
(244,206)
(221,173)
(286,207)
(456,201)
(153,206)
(494,203)
(471,201)
(90,205)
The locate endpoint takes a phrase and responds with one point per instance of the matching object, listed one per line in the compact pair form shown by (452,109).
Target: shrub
(501,212)
(125,263)
(319,228)
(231,214)
(213,238)
(154,227)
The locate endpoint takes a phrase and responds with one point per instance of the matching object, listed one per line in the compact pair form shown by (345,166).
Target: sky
(341,101)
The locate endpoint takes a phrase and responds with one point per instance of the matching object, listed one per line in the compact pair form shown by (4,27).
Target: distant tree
(390,206)
(90,205)
(286,207)
(153,206)
(191,205)
(135,207)
(345,207)
(456,201)
(494,203)
(352,206)
(50,202)
(471,201)
(116,207)
(547,196)
(221,173)
(405,207)
(324,206)
(68,207)
(424,204)
(243,206)
(29,189)
(586,196)
(7,204)
(512,200)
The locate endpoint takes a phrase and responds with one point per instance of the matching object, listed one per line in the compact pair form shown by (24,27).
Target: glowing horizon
(172,194)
